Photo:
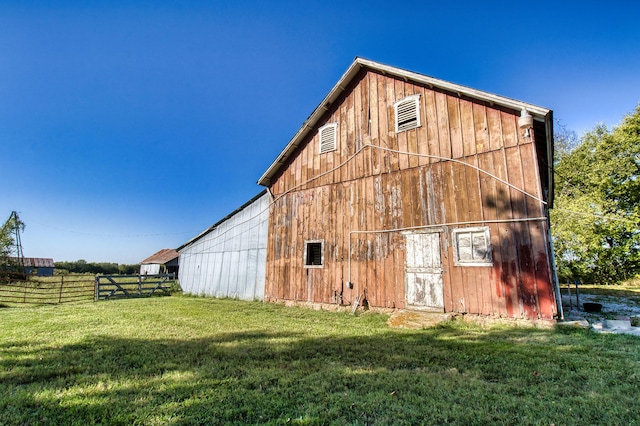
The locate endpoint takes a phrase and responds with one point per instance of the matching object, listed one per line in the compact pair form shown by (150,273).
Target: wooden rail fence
(47,290)
(125,286)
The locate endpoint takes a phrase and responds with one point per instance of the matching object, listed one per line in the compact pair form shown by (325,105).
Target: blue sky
(127,127)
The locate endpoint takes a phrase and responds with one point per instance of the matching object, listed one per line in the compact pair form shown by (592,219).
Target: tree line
(104,268)
(595,221)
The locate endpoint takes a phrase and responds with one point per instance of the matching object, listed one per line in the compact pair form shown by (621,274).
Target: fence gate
(126,286)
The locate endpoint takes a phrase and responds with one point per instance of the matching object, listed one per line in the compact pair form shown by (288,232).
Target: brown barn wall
(359,198)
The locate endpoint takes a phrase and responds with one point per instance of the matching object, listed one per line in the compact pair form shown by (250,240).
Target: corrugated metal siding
(37,262)
(230,260)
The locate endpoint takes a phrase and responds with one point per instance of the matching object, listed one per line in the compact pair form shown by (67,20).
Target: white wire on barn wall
(262,215)
(230,261)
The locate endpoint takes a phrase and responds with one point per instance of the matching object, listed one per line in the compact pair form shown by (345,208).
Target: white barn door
(423,271)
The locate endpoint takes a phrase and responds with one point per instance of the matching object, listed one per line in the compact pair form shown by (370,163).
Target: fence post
(139,285)
(97,290)
(61,284)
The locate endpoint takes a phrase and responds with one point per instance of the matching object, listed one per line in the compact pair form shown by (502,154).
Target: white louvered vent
(328,137)
(407,113)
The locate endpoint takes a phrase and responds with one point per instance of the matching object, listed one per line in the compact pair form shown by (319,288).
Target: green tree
(596,218)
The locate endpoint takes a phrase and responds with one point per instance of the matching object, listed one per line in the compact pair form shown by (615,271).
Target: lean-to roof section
(539,113)
(161,257)
(224,219)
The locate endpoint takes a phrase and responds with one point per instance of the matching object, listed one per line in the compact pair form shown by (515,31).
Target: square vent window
(407,113)
(328,137)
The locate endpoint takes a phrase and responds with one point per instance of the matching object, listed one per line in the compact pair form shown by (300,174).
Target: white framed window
(328,137)
(314,254)
(472,246)
(407,113)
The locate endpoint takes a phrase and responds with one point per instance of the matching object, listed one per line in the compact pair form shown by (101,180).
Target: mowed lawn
(184,360)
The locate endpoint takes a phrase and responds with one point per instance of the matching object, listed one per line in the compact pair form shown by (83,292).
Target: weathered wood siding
(230,260)
(359,198)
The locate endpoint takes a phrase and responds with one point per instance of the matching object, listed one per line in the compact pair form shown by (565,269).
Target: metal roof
(37,262)
(539,113)
(218,223)
(161,257)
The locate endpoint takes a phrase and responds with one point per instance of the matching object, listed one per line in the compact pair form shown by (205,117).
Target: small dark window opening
(314,254)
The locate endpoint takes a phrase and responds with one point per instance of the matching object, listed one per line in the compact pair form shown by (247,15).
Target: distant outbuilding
(166,261)
(42,267)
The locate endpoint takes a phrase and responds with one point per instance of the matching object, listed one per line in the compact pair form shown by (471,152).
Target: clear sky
(127,127)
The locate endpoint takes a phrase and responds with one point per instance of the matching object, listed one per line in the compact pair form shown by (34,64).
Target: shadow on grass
(520,376)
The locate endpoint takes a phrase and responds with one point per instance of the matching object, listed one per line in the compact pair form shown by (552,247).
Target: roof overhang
(538,113)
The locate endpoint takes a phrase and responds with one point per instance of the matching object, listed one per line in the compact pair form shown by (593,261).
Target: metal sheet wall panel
(150,269)
(229,260)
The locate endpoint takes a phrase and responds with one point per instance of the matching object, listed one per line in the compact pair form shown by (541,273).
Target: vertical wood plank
(422,134)
(488,189)
(365,125)
(509,129)
(398,262)
(351,117)
(338,240)
(494,123)
(326,285)
(354,195)
(509,271)
(481,128)
(374,113)
(468,128)
(455,127)
(401,137)
(432,121)
(444,138)
(371,258)
(345,172)
(358,133)
(392,140)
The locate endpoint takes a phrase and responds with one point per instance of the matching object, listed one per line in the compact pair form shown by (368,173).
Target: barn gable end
(434,198)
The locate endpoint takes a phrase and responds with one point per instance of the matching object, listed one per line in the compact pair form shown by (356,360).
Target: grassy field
(183,360)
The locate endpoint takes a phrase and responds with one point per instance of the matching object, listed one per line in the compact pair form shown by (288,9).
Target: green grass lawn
(183,360)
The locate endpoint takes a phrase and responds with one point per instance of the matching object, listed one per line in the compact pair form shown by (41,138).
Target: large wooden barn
(405,191)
